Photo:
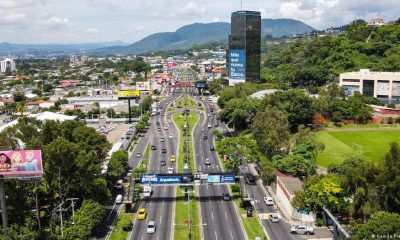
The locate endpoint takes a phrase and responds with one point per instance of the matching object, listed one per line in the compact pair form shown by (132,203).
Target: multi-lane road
(161,203)
(221,216)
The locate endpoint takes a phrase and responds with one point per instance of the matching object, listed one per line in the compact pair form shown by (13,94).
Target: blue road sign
(214,178)
(229,178)
(156,179)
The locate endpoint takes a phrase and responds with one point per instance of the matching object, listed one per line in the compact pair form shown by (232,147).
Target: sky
(79,21)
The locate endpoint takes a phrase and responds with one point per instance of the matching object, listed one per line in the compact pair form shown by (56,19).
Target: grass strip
(251,225)
(180,121)
(124,219)
(182,217)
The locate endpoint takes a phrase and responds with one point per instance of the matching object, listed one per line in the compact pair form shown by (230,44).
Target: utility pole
(60,210)
(73,201)
(3,204)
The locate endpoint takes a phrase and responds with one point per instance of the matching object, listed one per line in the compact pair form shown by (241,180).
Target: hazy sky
(76,21)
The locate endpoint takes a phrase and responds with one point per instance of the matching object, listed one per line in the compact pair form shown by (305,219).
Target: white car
(207,161)
(301,229)
(268,201)
(165,127)
(162,139)
(170,170)
(170,136)
(151,227)
(209,125)
(274,217)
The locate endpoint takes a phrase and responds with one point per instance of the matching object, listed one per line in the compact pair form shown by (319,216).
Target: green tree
(390,179)
(320,191)
(239,112)
(380,223)
(271,131)
(19,97)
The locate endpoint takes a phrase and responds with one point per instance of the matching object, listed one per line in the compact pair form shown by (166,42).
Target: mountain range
(199,33)
(184,37)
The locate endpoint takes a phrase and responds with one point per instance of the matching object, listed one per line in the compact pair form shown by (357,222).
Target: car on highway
(207,161)
(165,127)
(162,114)
(202,129)
(118,199)
(158,129)
(170,136)
(119,184)
(205,137)
(173,158)
(209,125)
(212,148)
(250,179)
(201,113)
(151,227)
(139,154)
(208,115)
(226,197)
(162,139)
(301,229)
(170,170)
(274,217)
(164,150)
(142,214)
(153,147)
(268,201)
(158,123)
(163,162)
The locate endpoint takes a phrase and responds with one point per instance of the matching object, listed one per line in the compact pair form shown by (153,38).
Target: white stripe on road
(160,220)
(216,237)
(226,216)
(231,234)
(212,215)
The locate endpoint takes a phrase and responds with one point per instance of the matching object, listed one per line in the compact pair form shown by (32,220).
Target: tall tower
(244,52)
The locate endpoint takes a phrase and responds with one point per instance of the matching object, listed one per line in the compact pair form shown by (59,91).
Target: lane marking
(231,234)
(212,215)
(160,219)
(226,216)
(216,236)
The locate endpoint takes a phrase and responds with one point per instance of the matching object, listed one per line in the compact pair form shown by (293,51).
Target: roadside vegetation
(182,216)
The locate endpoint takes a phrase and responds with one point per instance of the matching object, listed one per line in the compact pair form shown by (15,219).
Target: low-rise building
(7,64)
(382,85)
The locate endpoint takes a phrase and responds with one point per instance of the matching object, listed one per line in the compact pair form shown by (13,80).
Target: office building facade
(382,85)
(244,54)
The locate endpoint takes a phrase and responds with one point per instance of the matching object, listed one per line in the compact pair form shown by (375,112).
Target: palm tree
(21,108)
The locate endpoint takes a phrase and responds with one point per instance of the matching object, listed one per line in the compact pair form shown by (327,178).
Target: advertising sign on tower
(237,65)
(22,163)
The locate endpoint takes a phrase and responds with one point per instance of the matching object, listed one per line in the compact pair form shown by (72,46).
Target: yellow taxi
(173,158)
(142,214)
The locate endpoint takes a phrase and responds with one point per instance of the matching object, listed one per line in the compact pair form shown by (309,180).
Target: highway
(276,231)
(220,216)
(160,205)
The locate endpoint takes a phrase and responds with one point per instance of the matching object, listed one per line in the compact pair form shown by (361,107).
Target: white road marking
(226,216)
(231,234)
(212,215)
(216,237)
(160,220)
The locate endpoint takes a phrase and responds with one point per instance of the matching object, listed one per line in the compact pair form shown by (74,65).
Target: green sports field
(372,144)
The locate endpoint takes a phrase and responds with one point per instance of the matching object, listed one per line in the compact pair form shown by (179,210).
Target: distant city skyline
(79,21)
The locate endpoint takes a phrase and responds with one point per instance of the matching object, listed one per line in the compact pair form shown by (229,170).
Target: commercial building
(7,64)
(382,85)
(244,52)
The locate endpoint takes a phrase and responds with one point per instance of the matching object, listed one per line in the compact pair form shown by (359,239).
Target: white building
(376,22)
(383,85)
(286,187)
(7,64)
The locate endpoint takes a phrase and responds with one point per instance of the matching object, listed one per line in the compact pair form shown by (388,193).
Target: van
(118,199)
(119,184)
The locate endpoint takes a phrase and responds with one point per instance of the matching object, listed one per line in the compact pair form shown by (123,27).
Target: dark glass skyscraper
(244,53)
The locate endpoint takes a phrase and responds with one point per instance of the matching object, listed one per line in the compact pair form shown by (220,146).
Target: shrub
(235,188)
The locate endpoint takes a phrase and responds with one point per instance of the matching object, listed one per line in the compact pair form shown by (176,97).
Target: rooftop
(292,184)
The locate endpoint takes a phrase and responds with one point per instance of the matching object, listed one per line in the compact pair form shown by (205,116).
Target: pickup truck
(301,229)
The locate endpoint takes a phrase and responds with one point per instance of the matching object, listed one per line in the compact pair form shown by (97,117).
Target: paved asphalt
(221,216)
(160,204)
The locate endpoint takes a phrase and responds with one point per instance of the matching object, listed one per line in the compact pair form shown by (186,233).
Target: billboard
(125,94)
(200,85)
(237,65)
(21,163)
(156,179)
(214,179)
(228,178)
(143,86)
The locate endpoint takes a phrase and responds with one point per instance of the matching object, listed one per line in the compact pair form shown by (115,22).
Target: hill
(316,61)
(199,33)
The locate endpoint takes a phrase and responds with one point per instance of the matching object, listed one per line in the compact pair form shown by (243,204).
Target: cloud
(139,28)
(189,10)
(216,20)
(92,30)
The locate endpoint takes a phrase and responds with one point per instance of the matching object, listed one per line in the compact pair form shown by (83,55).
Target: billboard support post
(129,111)
(3,204)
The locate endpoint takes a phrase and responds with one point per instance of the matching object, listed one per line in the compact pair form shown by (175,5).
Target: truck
(147,191)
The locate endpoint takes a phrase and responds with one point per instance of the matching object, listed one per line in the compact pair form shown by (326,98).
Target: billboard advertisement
(229,178)
(125,94)
(21,163)
(237,65)
(143,86)
(156,179)
(200,85)
(214,179)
